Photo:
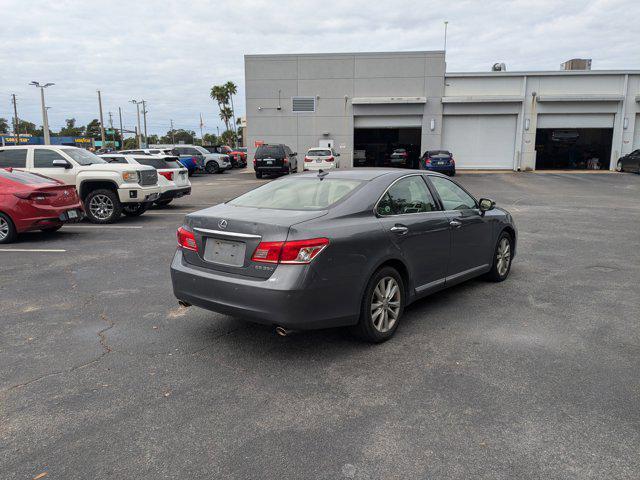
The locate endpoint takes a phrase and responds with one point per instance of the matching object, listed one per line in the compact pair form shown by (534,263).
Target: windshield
(83,157)
(157,163)
(297,194)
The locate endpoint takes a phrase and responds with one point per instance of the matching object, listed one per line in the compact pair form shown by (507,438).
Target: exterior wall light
(625,123)
(432,124)
(527,123)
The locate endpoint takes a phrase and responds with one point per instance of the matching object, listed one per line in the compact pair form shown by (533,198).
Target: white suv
(211,162)
(173,178)
(106,190)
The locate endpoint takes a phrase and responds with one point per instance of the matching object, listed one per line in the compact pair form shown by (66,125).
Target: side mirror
(486,204)
(61,164)
(337,154)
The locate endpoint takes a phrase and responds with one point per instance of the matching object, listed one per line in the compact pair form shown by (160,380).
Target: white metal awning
(483,99)
(580,98)
(386,100)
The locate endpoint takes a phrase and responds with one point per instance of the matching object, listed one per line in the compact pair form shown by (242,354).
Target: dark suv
(275,159)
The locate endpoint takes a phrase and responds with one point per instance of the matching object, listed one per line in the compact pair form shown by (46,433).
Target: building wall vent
(576,64)
(304,104)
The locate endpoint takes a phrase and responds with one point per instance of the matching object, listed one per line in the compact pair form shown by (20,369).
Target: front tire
(382,306)
(501,258)
(135,209)
(212,167)
(619,166)
(164,203)
(8,232)
(102,206)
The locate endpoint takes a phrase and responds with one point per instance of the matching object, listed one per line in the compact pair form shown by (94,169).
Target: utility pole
(101,120)
(16,127)
(201,135)
(45,117)
(173,134)
(445,37)
(121,129)
(144,116)
(137,104)
(113,140)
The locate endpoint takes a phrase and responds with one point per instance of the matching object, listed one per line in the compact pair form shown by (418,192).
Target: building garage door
(576,120)
(480,141)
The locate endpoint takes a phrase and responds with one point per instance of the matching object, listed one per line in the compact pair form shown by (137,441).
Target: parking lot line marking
(167,213)
(42,250)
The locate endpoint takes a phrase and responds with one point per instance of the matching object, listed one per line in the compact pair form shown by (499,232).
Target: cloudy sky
(171,52)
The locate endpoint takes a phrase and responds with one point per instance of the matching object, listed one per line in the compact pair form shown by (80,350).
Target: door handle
(399,229)
(455,223)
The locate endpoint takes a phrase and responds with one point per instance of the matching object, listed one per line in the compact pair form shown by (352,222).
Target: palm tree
(232,89)
(225,114)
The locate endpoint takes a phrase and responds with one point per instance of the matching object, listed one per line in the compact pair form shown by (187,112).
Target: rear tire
(8,232)
(135,209)
(502,257)
(164,203)
(102,206)
(258,174)
(382,306)
(212,167)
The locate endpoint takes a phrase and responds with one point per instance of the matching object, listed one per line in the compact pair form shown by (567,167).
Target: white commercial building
(366,104)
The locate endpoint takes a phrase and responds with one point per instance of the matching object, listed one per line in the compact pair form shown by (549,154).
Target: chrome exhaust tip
(183,304)
(283,332)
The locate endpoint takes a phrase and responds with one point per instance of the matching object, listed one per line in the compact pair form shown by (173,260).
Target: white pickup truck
(107,190)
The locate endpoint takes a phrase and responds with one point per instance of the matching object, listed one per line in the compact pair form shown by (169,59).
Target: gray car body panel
(328,292)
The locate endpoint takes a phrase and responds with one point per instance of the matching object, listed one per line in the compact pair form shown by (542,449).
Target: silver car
(340,248)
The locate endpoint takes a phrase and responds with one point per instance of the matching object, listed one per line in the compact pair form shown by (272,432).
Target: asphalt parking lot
(104,376)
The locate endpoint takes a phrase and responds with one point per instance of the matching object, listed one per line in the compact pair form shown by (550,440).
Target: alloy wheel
(503,256)
(385,304)
(619,166)
(4,228)
(101,207)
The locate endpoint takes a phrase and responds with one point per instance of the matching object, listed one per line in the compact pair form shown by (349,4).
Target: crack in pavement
(106,349)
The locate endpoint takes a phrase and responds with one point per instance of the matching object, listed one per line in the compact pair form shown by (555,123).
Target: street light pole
(121,129)
(137,104)
(173,134)
(144,117)
(45,117)
(16,128)
(101,121)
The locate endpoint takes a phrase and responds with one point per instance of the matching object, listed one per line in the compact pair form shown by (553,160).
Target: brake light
(307,159)
(254,162)
(186,239)
(34,196)
(427,162)
(294,252)
(167,175)
(453,162)
(285,160)
(330,159)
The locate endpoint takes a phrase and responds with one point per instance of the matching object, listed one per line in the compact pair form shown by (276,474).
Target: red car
(32,202)
(238,157)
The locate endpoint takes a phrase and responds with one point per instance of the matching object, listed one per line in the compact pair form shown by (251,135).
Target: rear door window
(43,158)
(407,195)
(14,158)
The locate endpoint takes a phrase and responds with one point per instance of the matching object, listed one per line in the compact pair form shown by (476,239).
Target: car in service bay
(320,158)
(341,248)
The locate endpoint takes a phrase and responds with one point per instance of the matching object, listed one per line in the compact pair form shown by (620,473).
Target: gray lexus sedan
(339,248)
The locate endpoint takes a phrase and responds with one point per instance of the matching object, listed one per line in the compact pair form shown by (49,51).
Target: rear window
(319,153)
(157,162)
(26,178)
(16,158)
(270,151)
(297,194)
(439,153)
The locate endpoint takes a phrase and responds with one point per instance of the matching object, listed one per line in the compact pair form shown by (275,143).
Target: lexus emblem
(65,193)
(222,224)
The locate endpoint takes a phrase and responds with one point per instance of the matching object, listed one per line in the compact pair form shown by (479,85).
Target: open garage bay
(104,376)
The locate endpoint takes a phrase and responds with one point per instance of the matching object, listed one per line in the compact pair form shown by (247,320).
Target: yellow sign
(82,140)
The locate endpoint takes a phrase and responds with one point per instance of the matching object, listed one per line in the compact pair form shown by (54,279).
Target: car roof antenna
(322,174)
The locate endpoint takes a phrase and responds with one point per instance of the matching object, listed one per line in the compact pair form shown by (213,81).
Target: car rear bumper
(274,169)
(175,193)
(283,299)
(313,166)
(441,168)
(48,217)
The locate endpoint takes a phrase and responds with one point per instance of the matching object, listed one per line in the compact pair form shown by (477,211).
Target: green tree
(232,89)
(93,129)
(4,125)
(27,127)
(70,129)
(130,143)
(220,95)
(226,114)
(211,139)
(228,137)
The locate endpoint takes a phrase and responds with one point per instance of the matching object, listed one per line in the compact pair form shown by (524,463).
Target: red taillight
(427,162)
(285,160)
(405,154)
(35,196)
(267,252)
(186,239)
(307,159)
(330,159)
(453,162)
(296,252)
(254,162)
(167,175)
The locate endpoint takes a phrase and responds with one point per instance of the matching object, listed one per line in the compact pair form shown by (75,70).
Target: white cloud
(171,52)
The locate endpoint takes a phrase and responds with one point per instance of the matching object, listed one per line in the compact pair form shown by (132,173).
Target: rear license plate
(72,214)
(269,161)
(224,252)
(319,160)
